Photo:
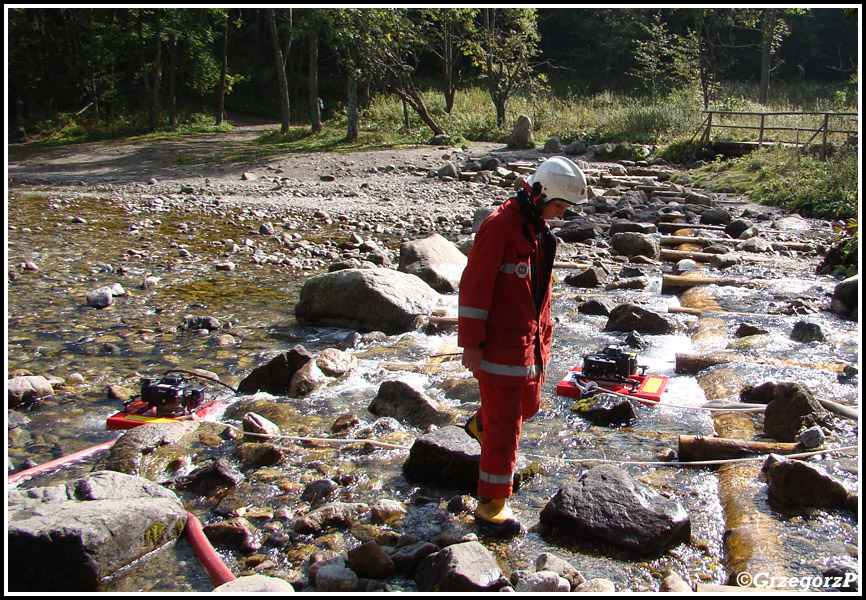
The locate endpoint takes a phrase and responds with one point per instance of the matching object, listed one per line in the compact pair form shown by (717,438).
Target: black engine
(171,395)
(611,363)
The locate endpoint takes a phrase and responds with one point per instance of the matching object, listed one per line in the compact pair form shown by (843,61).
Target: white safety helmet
(560,179)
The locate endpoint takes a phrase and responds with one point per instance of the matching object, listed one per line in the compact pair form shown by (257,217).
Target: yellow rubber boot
(473,428)
(495,516)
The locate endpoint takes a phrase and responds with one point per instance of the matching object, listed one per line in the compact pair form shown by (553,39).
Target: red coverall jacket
(504,301)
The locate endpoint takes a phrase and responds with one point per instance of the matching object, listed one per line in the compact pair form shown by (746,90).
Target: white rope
(689,463)
(314,439)
(541,456)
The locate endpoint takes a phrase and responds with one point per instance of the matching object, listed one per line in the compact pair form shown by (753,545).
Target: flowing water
(51,332)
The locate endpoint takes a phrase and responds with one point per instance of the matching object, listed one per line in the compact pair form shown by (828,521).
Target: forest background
(342,78)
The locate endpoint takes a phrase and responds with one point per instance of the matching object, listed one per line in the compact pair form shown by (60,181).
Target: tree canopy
(147,63)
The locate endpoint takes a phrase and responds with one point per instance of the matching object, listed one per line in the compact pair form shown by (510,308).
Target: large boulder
(798,483)
(466,567)
(67,537)
(410,406)
(521,136)
(609,505)
(435,260)
(27,389)
(366,300)
(449,457)
(152,450)
(845,297)
(792,409)
(629,243)
(275,377)
(630,317)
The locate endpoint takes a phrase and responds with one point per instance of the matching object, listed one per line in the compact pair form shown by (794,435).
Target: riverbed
(170,252)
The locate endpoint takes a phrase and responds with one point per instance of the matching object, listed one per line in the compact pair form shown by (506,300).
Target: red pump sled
(169,399)
(613,370)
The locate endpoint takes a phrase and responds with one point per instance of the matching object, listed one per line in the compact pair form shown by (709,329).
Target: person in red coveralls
(505,326)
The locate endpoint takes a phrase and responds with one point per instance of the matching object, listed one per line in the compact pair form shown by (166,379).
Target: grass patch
(330,139)
(826,189)
(68,128)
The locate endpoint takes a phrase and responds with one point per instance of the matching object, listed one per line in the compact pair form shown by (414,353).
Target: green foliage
(781,177)
(69,128)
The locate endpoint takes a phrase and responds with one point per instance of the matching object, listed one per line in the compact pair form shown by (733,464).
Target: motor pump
(172,394)
(611,363)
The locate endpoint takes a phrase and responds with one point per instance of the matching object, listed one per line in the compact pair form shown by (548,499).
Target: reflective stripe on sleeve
(471,313)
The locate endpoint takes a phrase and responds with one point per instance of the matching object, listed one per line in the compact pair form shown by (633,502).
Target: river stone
(100,298)
(553,145)
(606,410)
(806,332)
(275,377)
(370,560)
(792,409)
(630,317)
(435,260)
(798,483)
(255,584)
(366,300)
(26,389)
(234,534)
(450,457)
(607,504)
(629,243)
(467,567)
(150,450)
(306,380)
(69,536)
(331,515)
(336,363)
(407,557)
(845,298)
(335,576)
(550,562)
(576,233)
(406,404)
(538,581)
(588,278)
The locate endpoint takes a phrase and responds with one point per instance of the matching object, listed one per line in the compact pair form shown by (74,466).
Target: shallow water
(52,332)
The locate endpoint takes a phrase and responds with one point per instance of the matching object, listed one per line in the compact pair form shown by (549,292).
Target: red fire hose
(205,553)
(58,462)
(202,548)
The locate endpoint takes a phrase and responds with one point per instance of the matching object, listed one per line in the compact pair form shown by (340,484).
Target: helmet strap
(531,198)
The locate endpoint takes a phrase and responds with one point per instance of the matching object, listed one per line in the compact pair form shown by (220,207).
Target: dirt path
(220,157)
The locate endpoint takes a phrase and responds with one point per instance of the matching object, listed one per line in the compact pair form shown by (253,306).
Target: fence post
(761,134)
(824,140)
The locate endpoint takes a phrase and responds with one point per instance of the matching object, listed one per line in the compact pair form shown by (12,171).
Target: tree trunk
(500,111)
(172,84)
(157,73)
(352,107)
(315,109)
(221,93)
(770,16)
(281,73)
(448,67)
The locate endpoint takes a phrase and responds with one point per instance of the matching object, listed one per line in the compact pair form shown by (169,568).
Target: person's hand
(472,358)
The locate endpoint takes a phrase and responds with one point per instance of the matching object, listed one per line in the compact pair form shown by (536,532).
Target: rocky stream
(127,261)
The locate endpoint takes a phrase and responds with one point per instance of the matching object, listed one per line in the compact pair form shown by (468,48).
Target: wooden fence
(814,123)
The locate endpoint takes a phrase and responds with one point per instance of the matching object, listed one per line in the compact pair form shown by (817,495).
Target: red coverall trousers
(504,407)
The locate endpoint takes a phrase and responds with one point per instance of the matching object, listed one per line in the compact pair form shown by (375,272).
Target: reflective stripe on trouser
(504,408)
